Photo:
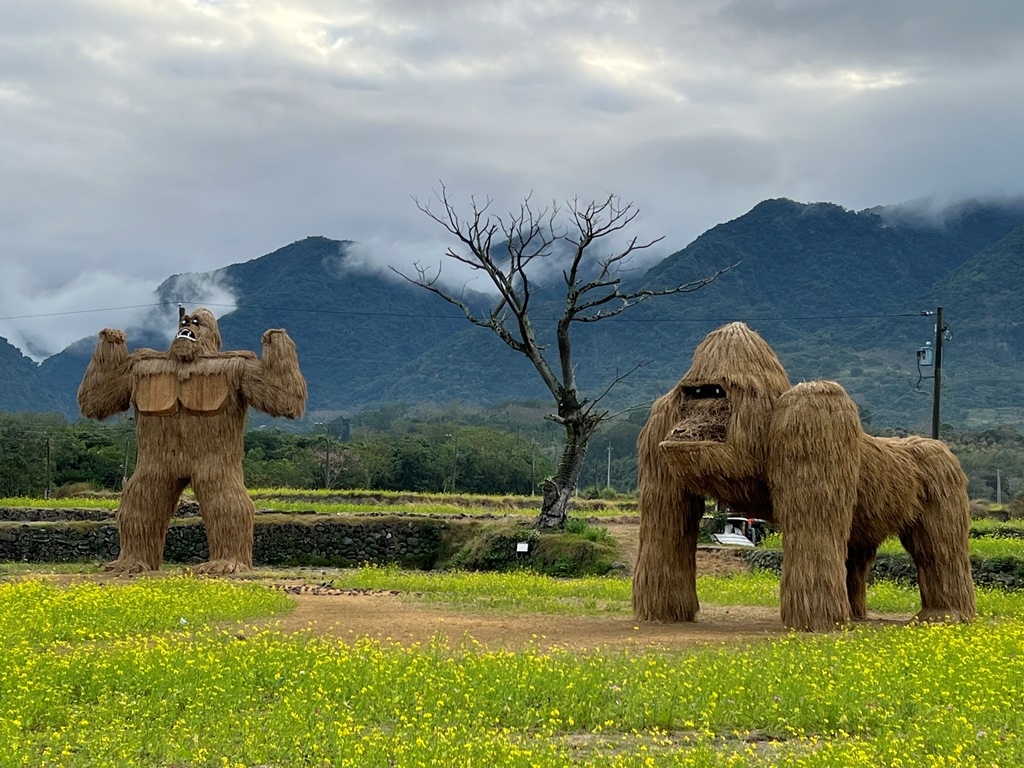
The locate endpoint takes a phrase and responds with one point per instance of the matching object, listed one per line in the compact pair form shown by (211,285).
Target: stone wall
(328,540)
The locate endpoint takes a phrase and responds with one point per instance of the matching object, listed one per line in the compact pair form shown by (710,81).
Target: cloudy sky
(145,138)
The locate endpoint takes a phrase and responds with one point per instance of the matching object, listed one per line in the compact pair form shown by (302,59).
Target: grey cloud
(726,158)
(879,31)
(49,318)
(143,140)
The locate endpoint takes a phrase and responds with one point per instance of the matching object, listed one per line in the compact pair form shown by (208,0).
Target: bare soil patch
(388,617)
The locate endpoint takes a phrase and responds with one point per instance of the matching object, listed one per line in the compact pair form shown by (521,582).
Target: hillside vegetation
(837,292)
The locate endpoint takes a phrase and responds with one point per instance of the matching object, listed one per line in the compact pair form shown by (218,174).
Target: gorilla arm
(274,384)
(106,387)
(665,574)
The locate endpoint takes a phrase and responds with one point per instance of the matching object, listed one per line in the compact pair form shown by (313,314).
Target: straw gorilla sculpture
(733,429)
(190,408)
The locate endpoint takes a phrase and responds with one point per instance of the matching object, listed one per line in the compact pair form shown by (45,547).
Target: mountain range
(838,293)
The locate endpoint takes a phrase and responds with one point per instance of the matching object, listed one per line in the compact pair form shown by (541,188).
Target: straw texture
(733,429)
(812,471)
(665,574)
(190,406)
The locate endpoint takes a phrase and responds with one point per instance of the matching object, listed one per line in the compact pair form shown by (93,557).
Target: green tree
(378,461)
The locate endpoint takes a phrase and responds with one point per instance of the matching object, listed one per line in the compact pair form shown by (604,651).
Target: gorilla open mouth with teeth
(197,335)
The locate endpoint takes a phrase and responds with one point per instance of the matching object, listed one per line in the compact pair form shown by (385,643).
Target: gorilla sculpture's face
(197,335)
(705,410)
(722,408)
(701,448)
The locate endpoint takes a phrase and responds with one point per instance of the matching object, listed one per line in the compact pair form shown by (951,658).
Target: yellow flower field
(159,672)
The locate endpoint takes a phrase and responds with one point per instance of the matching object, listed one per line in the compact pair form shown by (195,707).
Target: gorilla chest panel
(162,394)
(157,395)
(204,394)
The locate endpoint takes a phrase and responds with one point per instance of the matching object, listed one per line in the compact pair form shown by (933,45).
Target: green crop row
(356,502)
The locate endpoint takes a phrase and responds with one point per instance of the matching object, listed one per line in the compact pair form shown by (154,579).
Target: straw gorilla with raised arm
(735,430)
(190,405)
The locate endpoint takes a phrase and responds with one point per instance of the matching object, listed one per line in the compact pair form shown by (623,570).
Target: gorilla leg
(228,514)
(943,570)
(148,502)
(812,470)
(937,540)
(858,563)
(665,574)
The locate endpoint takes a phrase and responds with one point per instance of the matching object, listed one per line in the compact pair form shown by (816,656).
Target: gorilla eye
(705,392)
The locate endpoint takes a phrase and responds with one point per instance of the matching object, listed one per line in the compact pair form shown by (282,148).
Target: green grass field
(156,672)
(364,501)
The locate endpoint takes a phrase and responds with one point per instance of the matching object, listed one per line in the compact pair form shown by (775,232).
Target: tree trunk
(558,489)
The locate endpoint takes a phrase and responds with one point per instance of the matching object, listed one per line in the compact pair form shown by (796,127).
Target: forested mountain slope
(837,292)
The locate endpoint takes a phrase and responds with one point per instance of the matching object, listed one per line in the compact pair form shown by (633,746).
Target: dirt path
(392,617)
(389,617)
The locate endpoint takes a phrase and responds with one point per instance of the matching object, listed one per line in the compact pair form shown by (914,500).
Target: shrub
(589,532)
(1015,509)
(77,490)
(580,550)
(979,509)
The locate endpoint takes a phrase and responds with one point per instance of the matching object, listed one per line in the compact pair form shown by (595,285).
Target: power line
(83,311)
(450,316)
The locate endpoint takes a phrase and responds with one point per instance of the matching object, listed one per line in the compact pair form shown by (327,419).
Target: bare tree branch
(632,299)
(506,249)
(619,377)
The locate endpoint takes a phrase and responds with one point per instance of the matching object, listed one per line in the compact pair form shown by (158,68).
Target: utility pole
(940,330)
(327,456)
(936,392)
(455,459)
(47,466)
(608,479)
(327,451)
(999,488)
(124,467)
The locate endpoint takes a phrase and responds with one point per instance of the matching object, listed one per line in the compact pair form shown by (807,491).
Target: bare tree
(504,248)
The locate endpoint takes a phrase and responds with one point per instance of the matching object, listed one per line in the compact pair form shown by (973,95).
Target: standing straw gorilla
(734,429)
(190,409)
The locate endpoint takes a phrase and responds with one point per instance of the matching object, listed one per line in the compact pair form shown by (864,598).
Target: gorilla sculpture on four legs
(735,430)
(190,404)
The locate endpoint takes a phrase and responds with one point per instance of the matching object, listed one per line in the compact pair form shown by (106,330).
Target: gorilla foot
(938,615)
(222,567)
(126,566)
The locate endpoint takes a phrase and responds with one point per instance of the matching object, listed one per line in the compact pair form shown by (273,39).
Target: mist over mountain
(838,293)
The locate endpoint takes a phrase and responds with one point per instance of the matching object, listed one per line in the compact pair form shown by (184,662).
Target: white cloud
(45,318)
(191,291)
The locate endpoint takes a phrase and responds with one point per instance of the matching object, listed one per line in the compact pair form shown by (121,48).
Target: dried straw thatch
(664,579)
(812,472)
(733,429)
(190,407)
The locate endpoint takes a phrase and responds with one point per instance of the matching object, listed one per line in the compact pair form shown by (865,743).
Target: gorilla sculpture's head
(197,335)
(723,405)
